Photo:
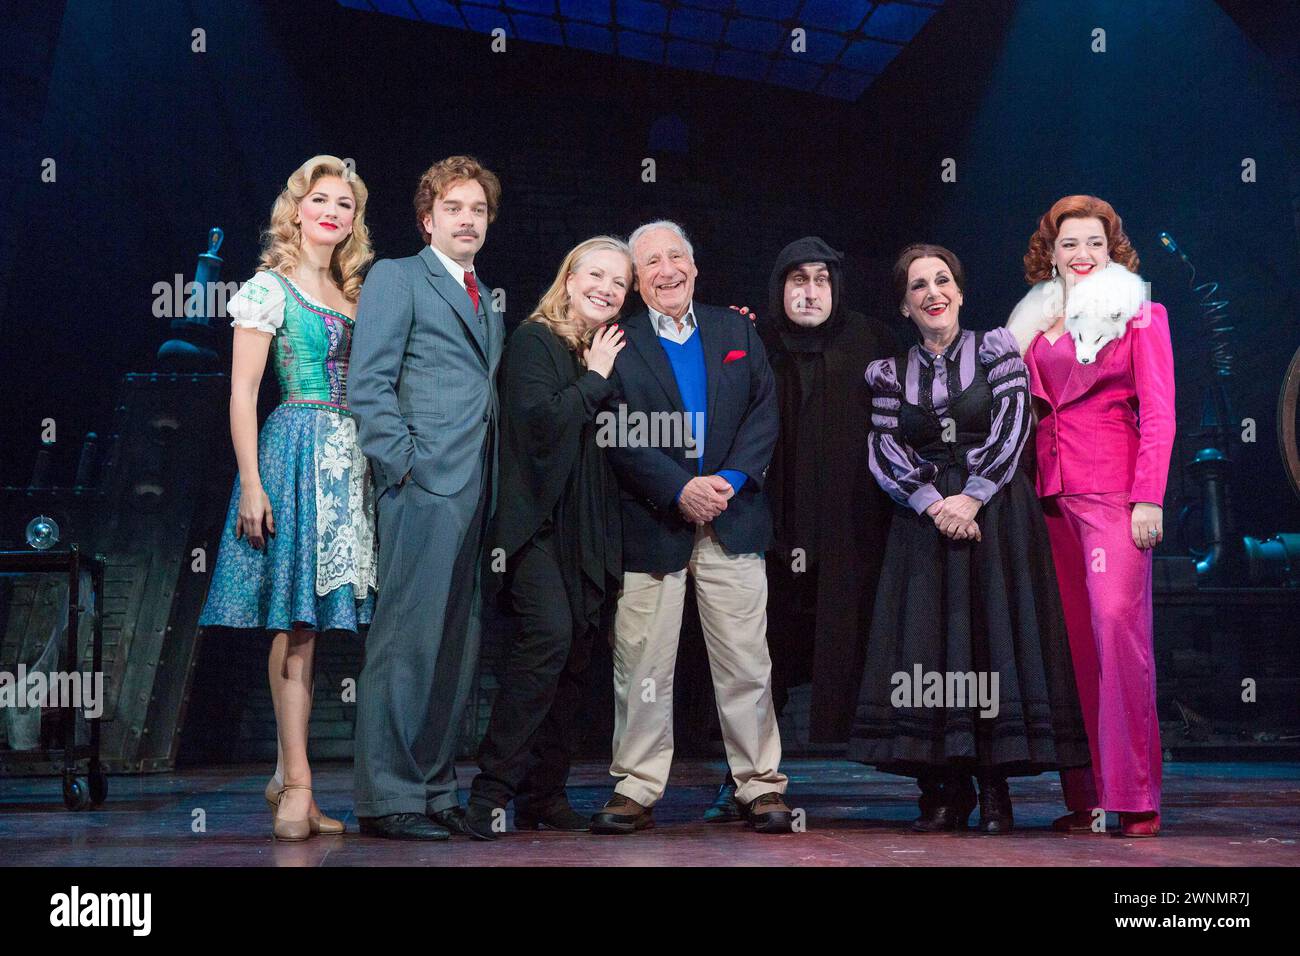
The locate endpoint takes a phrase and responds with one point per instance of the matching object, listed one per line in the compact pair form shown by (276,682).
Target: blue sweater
(687,360)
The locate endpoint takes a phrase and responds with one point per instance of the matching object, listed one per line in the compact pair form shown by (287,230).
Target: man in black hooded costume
(830,516)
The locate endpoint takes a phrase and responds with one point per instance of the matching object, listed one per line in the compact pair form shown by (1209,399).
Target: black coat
(741,428)
(552,469)
(850,515)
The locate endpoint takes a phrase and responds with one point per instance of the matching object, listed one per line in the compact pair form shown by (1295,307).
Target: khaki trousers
(731,591)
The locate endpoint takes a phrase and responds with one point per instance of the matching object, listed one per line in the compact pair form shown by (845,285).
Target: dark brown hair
(925,250)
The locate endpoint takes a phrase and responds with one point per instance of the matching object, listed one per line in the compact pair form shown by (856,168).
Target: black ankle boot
(931,799)
(995,805)
(955,802)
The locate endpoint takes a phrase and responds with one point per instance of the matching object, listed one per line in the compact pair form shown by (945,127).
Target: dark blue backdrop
(155,143)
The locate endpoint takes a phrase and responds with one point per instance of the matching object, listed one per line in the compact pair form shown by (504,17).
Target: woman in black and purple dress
(968,667)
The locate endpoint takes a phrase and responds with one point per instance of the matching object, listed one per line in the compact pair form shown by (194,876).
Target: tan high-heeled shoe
(290,831)
(326,826)
(320,823)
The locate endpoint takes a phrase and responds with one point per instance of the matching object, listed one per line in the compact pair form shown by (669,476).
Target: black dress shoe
(402,826)
(767,813)
(995,805)
(931,798)
(724,807)
(478,820)
(955,804)
(452,818)
(1076,821)
(564,819)
(622,815)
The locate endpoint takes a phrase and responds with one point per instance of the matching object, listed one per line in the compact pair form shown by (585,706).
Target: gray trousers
(421,654)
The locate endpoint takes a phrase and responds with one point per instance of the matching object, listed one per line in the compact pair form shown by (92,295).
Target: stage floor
(1220,814)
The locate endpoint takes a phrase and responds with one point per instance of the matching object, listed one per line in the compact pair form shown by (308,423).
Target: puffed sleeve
(259,304)
(898,469)
(1153,378)
(992,464)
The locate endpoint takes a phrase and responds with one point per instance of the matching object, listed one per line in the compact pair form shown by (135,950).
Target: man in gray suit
(425,350)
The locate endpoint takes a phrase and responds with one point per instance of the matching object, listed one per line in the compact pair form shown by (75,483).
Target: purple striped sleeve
(992,464)
(906,477)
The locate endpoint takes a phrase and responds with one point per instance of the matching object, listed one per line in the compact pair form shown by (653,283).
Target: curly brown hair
(445,174)
(1038,260)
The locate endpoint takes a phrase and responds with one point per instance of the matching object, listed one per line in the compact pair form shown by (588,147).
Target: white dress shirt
(456,270)
(666,325)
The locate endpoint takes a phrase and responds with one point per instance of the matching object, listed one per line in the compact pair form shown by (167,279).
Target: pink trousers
(1105,583)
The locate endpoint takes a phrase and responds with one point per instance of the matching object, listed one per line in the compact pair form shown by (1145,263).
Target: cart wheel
(76,792)
(98,785)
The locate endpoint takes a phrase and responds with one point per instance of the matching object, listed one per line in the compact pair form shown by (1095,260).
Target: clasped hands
(954,516)
(704,498)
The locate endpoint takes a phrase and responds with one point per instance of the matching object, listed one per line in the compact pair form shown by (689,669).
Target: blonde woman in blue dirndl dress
(297,554)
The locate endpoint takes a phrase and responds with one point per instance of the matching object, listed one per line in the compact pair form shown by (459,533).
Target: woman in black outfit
(559,528)
(968,669)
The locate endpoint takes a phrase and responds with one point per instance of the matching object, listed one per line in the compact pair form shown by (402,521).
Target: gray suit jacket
(422,376)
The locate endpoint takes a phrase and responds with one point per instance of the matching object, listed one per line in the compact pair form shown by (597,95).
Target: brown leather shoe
(767,813)
(622,815)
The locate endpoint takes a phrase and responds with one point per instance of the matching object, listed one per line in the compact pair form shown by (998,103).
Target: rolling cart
(79,792)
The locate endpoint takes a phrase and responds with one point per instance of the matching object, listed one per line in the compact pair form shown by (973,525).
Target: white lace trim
(345,509)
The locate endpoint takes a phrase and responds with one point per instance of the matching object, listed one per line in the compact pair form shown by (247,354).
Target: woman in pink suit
(1102,377)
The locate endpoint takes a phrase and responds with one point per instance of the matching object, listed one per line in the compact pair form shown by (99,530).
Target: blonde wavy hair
(282,239)
(553,308)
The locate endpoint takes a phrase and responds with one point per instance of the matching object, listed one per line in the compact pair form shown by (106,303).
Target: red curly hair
(1038,260)
(445,174)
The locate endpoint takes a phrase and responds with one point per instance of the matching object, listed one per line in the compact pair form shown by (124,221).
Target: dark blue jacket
(741,430)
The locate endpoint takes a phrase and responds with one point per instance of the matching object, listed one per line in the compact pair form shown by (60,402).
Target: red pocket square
(733,355)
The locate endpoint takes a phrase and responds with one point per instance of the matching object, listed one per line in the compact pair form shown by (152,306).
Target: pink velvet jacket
(1113,427)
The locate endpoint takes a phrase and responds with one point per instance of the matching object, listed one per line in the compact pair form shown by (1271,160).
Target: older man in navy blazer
(693,507)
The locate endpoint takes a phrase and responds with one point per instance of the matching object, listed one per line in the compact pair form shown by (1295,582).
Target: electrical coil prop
(1287,401)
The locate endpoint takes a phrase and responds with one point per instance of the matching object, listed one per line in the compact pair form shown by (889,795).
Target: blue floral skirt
(318,570)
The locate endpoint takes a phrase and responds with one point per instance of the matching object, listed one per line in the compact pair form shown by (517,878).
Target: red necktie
(471,286)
